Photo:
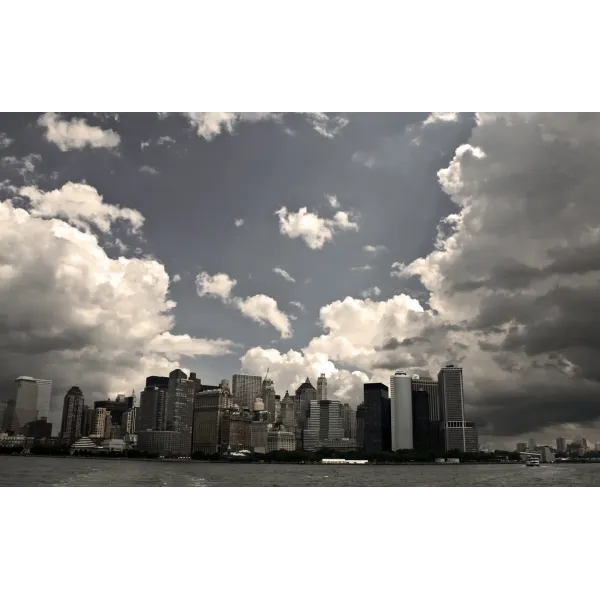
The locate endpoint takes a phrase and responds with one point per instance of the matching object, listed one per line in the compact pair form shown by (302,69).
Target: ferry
(532,462)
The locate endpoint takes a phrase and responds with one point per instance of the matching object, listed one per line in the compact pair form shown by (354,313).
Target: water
(48,471)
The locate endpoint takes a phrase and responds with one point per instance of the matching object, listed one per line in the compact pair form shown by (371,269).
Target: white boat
(532,462)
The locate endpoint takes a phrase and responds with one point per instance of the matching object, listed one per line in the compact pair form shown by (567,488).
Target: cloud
(176,278)
(314,230)
(238,222)
(264,309)
(259,308)
(76,133)
(81,205)
(443,117)
(149,170)
(298,305)
(209,125)
(5,141)
(216,286)
(363,268)
(284,274)
(65,302)
(163,140)
(375,249)
(333,201)
(24,166)
(326,126)
(372,291)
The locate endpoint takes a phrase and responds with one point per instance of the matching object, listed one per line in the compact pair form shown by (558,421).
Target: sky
(350,244)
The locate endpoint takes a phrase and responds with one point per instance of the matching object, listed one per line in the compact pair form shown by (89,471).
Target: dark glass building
(378,418)
(422,426)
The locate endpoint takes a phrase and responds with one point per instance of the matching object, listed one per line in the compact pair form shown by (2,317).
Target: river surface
(27,471)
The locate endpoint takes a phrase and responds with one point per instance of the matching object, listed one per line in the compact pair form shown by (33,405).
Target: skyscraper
(349,421)
(70,426)
(452,408)
(401,411)
(287,416)
(209,408)
(322,387)
(180,409)
(426,390)
(305,394)
(324,426)
(377,418)
(561,444)
(423,428)
(153,402)
(32,400)
(268,398)
(246,388)
(360,425)
(432,388)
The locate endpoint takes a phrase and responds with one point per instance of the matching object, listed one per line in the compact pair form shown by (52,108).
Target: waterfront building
(32,401)
(209,408)
(349,421)
(279,439)
(246,388)
(360,426)
(236,430)
(324,425)
(521,446)
(377,418)
(452,408)
(561,444)
(180,409)
(269,398)
(159,443)
(70,426)
(401,413)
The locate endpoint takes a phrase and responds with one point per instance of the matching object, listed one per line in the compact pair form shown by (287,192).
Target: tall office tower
(430,386)
(9,418)
(102,423)
(236,432)
(117,407)
(180,409)
(128,421)
(287,412)
(521,446)
(471,437)
(360,425)
(268,397)
(452,408)
(87,421)
(70,426)
(423,428)
(324,427)
(3,411)
(401,411)
(322,387)
(349,421)
(531,445)
(377,416)
(305,394)
(246,388)
(224,385)
(209,407)
(153,404)
(32,401)
(561,444)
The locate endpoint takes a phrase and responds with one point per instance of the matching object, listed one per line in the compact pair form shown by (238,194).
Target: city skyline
(326,227)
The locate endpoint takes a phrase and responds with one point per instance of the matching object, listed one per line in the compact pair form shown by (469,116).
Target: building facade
(180,409)
(401,411)
(360,426)
(349,421)
(452,408)
(32,400)
(209,408)
(377,418)
(278,439)
(322,387)
(324,425)
(160,443)
(236,430)
(246,388)
(269,398)
(70,426)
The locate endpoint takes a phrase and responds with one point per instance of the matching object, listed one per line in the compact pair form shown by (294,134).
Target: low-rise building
(278,439)
(163,443)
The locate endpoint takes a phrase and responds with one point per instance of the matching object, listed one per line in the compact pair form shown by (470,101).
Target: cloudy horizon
(349,244)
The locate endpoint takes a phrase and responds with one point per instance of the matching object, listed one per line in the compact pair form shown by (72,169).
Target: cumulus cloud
(263,310)
(81,205)
(238,222)
(209,125)
(444,117)
(72,314)
(149,170)
(260,308)
(76,133)
(326,126)
(298,305)
(333,201)
(314,230)
(216,286)
(5,141)
(375,249)
(372,291)
(176,278)
(284,274)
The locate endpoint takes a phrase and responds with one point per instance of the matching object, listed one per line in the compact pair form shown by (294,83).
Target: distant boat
(532,462)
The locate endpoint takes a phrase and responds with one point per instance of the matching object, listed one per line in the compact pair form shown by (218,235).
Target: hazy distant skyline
(349,244)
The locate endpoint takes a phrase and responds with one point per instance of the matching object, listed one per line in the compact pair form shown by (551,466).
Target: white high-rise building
(322,387)
(32,400)
(401,409)
(246,388)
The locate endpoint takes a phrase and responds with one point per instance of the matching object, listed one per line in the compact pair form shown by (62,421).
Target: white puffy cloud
(372,291)
(76,133)
(284,274)
(208,125)
(5,141)
(444,117)
(176,278)
(263,309)
(326,126)
(313,229)
(375,249)
(72,314)
(149,170)
(260,308)
(81,205)
(333,201)
(238,222)
(217,286)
